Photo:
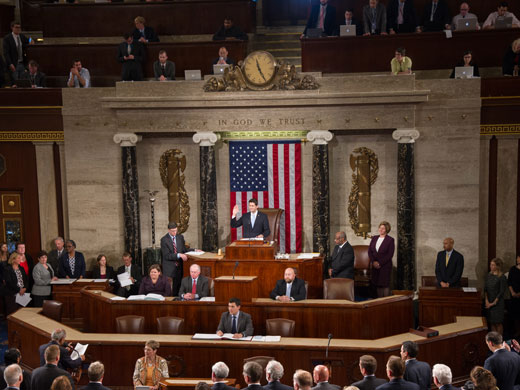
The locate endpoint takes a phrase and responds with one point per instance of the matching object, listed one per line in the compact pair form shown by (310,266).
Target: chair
(361,266)
(273,216)
(130,324)
(280,327)
(170,325)
(338,288)
(431,281)
(262,360)
(53,310)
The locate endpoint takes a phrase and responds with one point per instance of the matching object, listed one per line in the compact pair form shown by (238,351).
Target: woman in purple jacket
(380,252)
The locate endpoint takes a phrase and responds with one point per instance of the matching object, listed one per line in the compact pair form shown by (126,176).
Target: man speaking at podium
(254,222)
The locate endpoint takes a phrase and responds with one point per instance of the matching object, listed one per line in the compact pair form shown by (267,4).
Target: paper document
(267,339)
(308,255)
(207,299)
(214,336)
(252,239)
(79,350)
(24,299)
(63,281)
(469,289)
(147,297)
(195,253)
(99,280)
(124,279)
(118,299)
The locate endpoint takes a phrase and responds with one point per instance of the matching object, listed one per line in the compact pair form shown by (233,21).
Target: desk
(189,383)
(313,317)
(28,329)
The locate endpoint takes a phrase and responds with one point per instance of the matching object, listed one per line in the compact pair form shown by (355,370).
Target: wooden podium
(243,287)
(250,250)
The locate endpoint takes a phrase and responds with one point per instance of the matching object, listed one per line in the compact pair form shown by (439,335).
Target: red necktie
(174,246)
(322,17)
(194,287)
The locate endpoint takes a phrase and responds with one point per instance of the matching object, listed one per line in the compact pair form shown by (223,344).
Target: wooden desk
(189,383)
(250,250)
(313,317)
(192,358)
(442,305)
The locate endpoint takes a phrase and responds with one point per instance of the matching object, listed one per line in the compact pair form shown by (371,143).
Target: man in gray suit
(321,378)
(163,69)
(374,18)
(235,321)
(173,255)
(195,286)
(368,367)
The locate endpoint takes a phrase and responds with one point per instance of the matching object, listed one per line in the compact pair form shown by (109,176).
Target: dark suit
(11,288)
(261,225)
(505,366)
(329,22)
(94,386)
(409,24)
(342,261)
(232,32)
(453,272)
(398,384)
(136,273)
(244,324)
(42,377)
(11,52)
(132,69)
(168,71)
(202,286)
(325,386)
(381,276)
(221,386)
(25,385)
(65,361)
(253,387)
(441,17)
(379,19)
(149,34)
(276,385)
(171,262)
(109,273)
(418,372)
(79,267)
(369,383)
(39,79)
(53,258)
(297,289)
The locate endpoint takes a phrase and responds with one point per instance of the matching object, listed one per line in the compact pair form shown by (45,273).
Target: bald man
(449,265)
(321,378)
(290,288)
(195,286)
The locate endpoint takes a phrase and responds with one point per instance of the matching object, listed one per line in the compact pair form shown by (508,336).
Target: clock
(259,69)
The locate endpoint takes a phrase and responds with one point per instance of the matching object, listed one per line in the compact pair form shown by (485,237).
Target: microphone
(234,269)
(328,344)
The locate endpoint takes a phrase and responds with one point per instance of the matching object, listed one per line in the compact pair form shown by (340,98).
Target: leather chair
(338,288)
(170,325)
(130,324)
(431,281)
(362,268)
(53,310)
(280,327)
(273,216)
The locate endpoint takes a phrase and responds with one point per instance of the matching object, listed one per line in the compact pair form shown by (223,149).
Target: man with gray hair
(55,254)
(219,373)
(273,374)
(442,377)
(96,371)
(195,286)
(13,376)
(58,338)
(302,380)
(252,373)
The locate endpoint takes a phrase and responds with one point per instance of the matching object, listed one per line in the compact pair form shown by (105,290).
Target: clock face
(259,67)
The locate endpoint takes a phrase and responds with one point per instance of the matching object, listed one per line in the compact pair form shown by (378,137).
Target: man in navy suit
(394,370)
(321,378)
(368,367)
(273,374)
(219,373)
(15,56)
(290,288)
(96,371)
(449,265)
(401,16)
(131,54)
(13,377)
(255,223)
(252,372)
(322,16)
(416,371)
(341,263)
(235,321)
(65,362)
(442,377)
(503,364)
(173,256)
(142,33)
(42,377)
(436,16)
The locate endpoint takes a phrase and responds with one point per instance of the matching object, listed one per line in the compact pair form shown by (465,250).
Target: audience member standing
(436,16)
(416,371)
(72,264)
(442,377)
(374,18)
(368,367)
(273,374)
(15,55)
(323,15)
(401,16)
(219,374)
(42,377)
(494,289)
(13,356)
(43,274)
(395,370)
(450,263)
(503,364)
(55,254)
(380,252)
(341,263)
(16,282)
(321,378)
(142,33)
(96,372)
(131,54)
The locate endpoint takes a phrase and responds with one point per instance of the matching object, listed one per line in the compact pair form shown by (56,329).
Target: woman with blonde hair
(16,282)
(494,289)
(511,62)
(151,368)
(483,379)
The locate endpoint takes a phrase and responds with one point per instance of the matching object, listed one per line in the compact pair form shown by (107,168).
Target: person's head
(129,38)
(139,22)
(273,371)
(15,258)
(3,247)
(302,380)
(495,266)
(384,226)
(400,52)
(228,22)
(502,8)
(355,387)
(483,379)
(102,260)
(394,367)
(194,271)
(253,205)
(289,275)
(447,244)
(16,27)
(320,373)
(96,371)
(52,354)
(494,340)
(150,349)
(77,65)
(70,245)
(202,386)
(12,356)
(441,374)
(42,257)
(59,242)
(163,56)
(515,46)
(252,372)
(219,371)
(367,365)
(234,306)
(222,52)
(59,336)
(372,3)
(172,228)
(468,57)
(464,9)
(154,271)
(409,350)
(13,375)
(20,247)
(340,238)
(324,2)
(127,259)
(61,383)
(349,14)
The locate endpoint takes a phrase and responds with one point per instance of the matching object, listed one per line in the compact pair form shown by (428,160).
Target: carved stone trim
(405,136)
(205,138)
(319,137)
(127,139)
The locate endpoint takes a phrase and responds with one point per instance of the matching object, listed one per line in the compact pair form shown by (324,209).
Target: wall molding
(31,136)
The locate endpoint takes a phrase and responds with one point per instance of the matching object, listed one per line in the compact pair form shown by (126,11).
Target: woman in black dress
(494,289)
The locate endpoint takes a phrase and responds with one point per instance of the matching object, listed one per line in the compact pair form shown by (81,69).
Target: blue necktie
(234,325)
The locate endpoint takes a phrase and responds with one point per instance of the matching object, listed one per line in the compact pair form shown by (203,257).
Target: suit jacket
(109,272)
(381,277)
(149,34)
(65,361)
(42,377)
(53,258)
(11,281)
(380,19)
(39,79)
(505,366)
(261,225)
(244,324)
(11,52)
(329,23)
(232,32)
(221,386)
(342,261)
(409,16)
(135,272)
(171,263)
(441,17)
(398,384)
(253,387)
(162,287)
(453,272)
(42,280)
(79,268)
(93,386)
(137,50)
(326,386)
(418,372)
(276,385)
(369,383)
(202,286)
(297,289)
(169,71)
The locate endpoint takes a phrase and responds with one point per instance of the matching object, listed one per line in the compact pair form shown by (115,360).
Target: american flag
(270,172)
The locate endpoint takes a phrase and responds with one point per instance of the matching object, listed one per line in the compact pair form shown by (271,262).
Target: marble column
(130,189)
(208,190)
(406,268)
(320,191)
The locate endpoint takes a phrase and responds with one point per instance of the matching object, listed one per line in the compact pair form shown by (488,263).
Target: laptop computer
(314,33)
(463,72)
(464,24)
(219,69)
(347,31)
(502,22)
(192,75)
(23,83)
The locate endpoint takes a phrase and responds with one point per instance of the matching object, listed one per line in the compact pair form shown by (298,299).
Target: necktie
(434,8)
(194,287)
(447,258)
(174,245)
(129,49)
(253,218)
(19,48)
(288,292)
(400,18)
(322,17)
(234,325)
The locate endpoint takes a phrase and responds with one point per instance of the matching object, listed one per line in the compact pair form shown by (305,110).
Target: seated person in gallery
(290,288)
(102,270)
(135,275)
(37,78)
(500,13)
(163,70)
(195,286)
(229,31)
(223,58)
(467,60)
(235,321)
(350,20)
(254,222)
(511,61)
(464,14)
(449,265)
(156,282)
(401,64)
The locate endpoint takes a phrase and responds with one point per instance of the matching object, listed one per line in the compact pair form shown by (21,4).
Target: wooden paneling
(6,17)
